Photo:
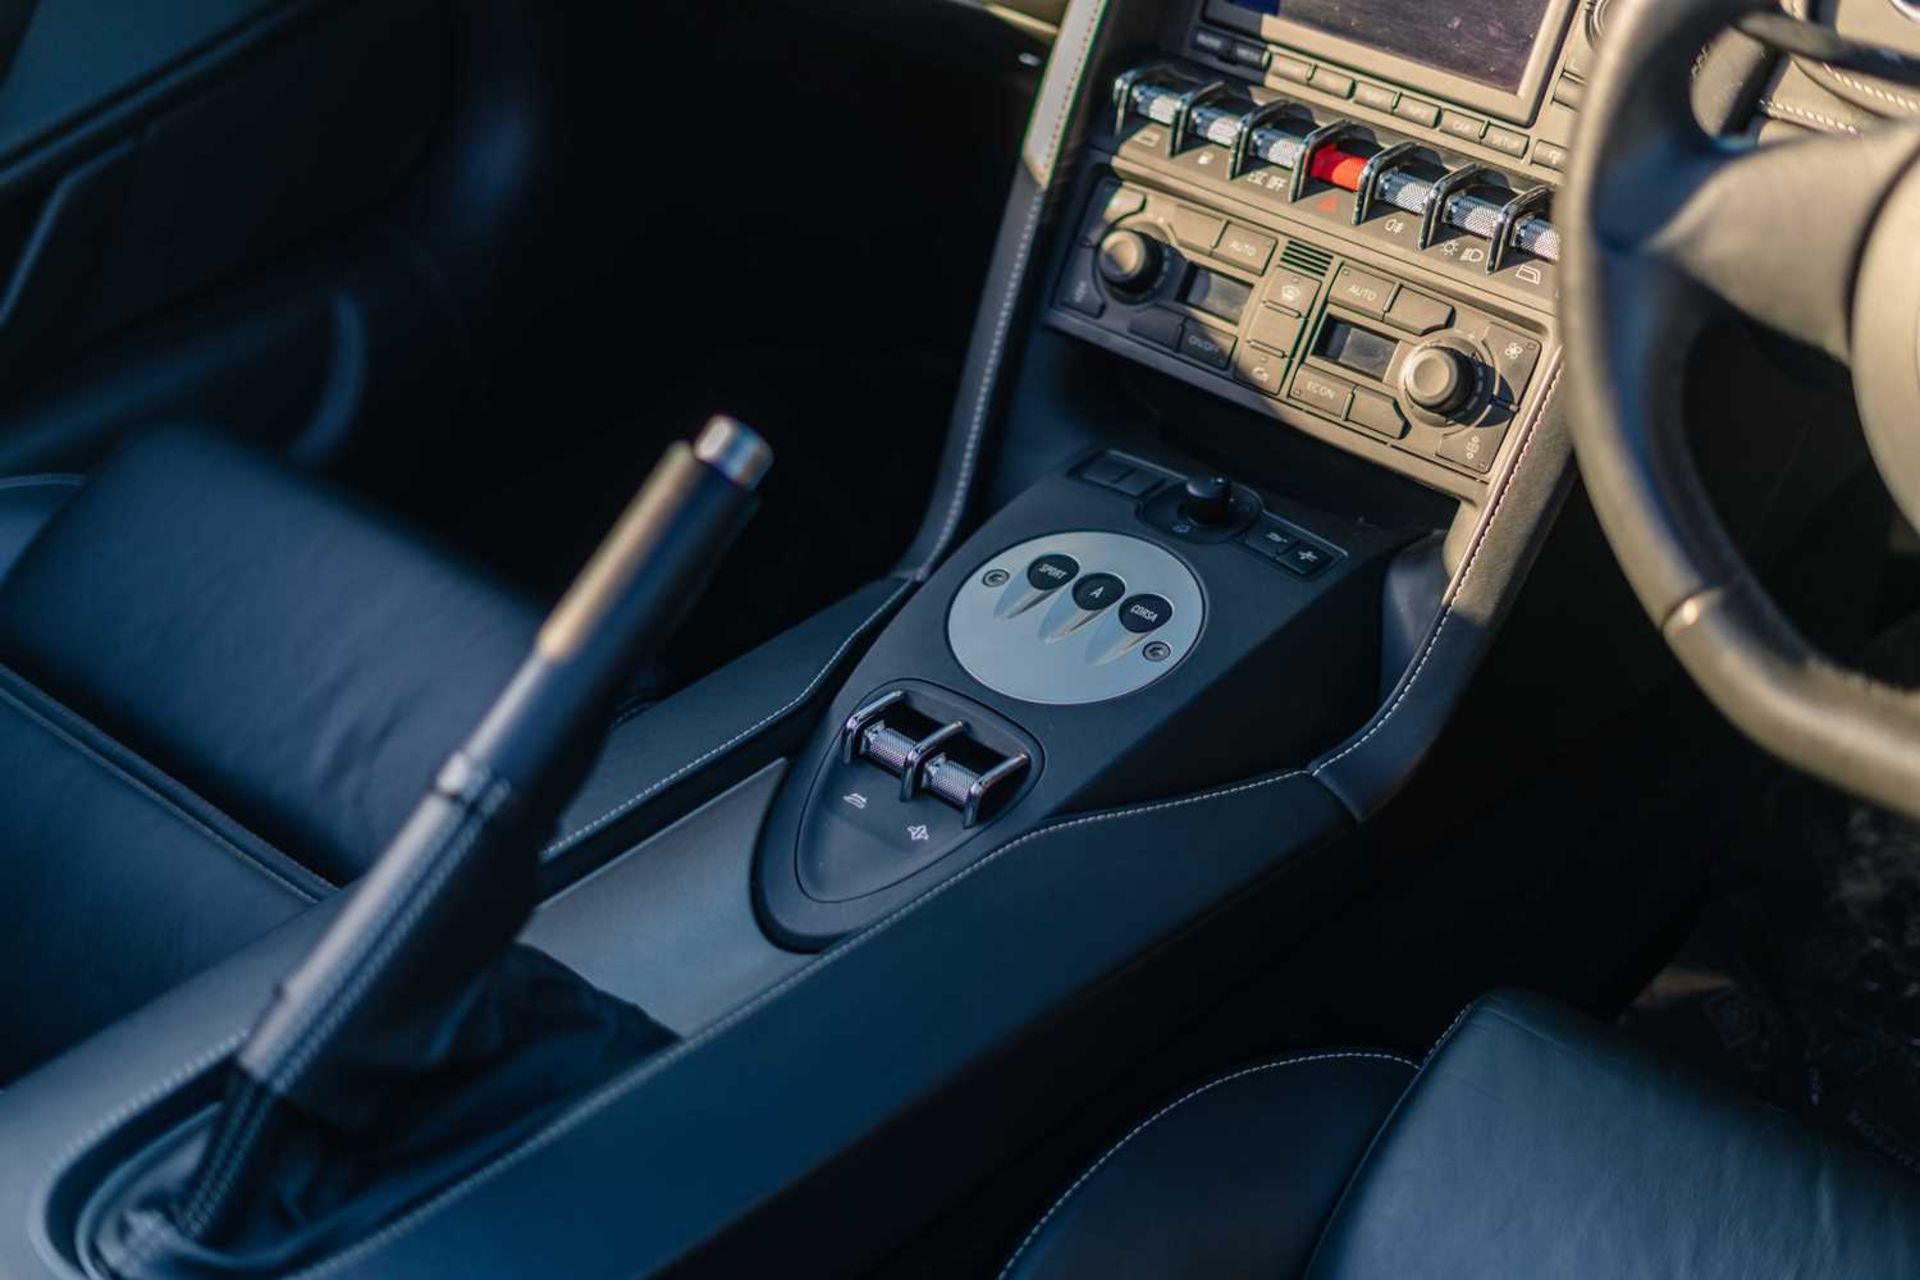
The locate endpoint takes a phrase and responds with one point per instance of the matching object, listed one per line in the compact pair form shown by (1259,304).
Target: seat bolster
(1235,1178)
(1535,1142)
(27,503)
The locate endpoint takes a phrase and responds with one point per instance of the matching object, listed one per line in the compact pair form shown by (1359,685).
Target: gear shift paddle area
(416,1038)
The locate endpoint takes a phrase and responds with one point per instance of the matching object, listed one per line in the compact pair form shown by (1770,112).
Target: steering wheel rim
(1664,227)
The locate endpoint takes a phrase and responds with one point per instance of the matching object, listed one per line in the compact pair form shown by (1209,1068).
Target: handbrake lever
(369,1008)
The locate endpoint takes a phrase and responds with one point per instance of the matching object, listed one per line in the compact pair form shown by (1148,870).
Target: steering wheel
(1819,239)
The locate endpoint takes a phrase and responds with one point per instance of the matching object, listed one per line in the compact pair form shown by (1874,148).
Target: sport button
(1097,590)
(1143,613)
(1051,572)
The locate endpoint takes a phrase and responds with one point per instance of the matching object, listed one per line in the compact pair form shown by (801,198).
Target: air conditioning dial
(1130,262)
(1446,381)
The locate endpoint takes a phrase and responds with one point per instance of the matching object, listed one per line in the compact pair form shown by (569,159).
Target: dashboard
(1338,214)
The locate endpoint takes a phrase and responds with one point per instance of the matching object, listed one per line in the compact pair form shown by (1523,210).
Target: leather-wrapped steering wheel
(1819,239)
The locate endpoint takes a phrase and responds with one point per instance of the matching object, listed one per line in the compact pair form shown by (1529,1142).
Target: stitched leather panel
(291,657)
(1536,1143)
(1233,1179)
(109,893)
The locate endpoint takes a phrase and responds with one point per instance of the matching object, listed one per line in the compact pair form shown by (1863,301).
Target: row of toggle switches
(930,757)
(1283,134)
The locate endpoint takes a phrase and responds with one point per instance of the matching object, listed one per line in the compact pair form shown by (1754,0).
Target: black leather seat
(221,690)
(1532,1143)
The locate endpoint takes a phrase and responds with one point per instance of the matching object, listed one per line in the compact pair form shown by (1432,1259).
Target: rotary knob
(1208,501)
(1439,379)
(1129,261)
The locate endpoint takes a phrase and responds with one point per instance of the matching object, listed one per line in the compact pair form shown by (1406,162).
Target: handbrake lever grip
(368,1009)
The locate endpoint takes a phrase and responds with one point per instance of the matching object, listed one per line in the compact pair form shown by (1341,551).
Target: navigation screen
(1485,40)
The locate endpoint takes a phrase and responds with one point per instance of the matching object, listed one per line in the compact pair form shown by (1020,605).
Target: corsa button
(1144,613)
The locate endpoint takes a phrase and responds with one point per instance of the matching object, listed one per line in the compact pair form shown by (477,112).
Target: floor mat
(1801,982)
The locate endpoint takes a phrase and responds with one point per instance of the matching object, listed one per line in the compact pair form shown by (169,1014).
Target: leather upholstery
(1534,1142)
(26,504)
(296,660)
(221,690)
(1196,1191)
(111,889)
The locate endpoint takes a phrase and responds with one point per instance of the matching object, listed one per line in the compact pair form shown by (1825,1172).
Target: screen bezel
(1446,87)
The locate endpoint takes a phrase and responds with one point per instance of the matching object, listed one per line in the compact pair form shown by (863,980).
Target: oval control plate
(1076,617)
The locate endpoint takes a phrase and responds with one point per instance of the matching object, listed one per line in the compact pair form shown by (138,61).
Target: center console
(1120,632)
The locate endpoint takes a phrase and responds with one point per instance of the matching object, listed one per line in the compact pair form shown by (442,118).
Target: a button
(1137,483)
(1303,559)
(1506,141)
(1144,613)
(1327,80)
(1078,290)
(1362,292)
(1550,155)
(1292,69)
(1212,42)
(1197,230)
(1156,651)
(1250,55)
(1162,328)
(1247,248)
(1569,92)
(1417,111)
(1260,370)
(1417,313)
(1208,346)
(1462,125)
(1111,202)
(1051,572)
(1377,96)
(1377,413)
(1322,391)
(1269,539)
(1514,356)
(1276,329)
(1098,590)
(1475,447)
(1292,290)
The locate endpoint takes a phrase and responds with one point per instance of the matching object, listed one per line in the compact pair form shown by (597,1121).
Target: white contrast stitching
(642,796)
(1453,1026)
(1872,90)
(1003,322)
(610,1092)
(1155,1118)
(1778,108)
(1803,11)
(1459,585)
(120,1116)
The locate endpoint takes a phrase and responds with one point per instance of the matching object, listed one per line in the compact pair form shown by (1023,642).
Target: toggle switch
(930,757)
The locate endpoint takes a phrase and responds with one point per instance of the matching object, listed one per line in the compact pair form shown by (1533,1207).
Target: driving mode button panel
(1134,613)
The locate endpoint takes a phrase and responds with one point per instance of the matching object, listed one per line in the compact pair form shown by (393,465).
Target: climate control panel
(1310,331)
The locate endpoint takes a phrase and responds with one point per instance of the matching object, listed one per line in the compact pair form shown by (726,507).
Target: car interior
(1115,639)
